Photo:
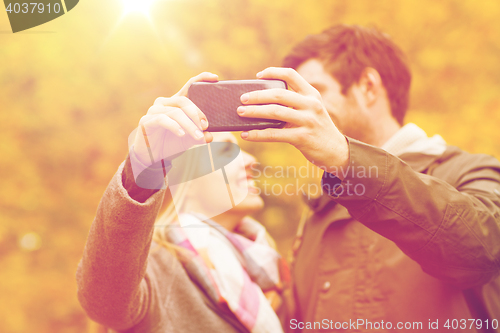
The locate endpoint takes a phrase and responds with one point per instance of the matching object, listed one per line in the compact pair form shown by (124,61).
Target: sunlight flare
(137,6)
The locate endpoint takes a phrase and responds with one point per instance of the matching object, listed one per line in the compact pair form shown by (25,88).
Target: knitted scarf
(233,268)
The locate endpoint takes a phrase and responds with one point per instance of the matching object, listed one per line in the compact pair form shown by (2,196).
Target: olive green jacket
(416,241)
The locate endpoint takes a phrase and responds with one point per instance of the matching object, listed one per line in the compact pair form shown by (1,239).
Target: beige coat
(123,286)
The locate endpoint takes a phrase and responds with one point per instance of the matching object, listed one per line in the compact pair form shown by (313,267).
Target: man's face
(345,110)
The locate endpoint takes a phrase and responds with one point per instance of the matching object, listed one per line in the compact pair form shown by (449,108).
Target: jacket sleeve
(113,284)
(453,232)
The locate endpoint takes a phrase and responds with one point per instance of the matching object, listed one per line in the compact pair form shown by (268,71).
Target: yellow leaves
(434,58)
(469,128)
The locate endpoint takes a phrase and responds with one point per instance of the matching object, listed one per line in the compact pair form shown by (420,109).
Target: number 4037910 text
(33,8)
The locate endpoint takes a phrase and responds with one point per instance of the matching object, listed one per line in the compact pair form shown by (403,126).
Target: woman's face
(232,188)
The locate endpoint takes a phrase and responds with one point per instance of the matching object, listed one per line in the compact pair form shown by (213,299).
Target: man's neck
(383,131)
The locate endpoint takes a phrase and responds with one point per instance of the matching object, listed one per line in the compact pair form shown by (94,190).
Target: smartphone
(219,101)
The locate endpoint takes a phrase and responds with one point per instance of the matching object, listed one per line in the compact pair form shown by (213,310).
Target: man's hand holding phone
(309,127)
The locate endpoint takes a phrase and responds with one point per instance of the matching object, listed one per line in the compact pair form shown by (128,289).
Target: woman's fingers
(171,125)
(173,120)
(164,105)
(205,76)
(186,123)
(161,121)
(195,113)
(180,100)
(208,137)
(190,109)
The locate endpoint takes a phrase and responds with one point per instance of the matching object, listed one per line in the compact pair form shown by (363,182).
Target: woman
(182,271)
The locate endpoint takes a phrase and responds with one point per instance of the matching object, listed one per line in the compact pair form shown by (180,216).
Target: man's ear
(370,85)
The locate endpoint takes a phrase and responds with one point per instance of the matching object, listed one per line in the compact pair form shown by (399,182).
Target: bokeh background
(73,89)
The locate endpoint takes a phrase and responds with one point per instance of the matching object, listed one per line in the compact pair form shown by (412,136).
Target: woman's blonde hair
(183,170)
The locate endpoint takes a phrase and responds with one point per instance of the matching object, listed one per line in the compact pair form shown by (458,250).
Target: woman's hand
(171,126)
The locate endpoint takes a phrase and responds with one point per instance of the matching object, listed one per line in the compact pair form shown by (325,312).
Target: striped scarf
(233,268)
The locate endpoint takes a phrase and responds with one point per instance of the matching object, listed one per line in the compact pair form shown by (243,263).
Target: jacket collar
(412,145)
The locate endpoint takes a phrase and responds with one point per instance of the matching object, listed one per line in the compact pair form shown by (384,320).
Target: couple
(420,244)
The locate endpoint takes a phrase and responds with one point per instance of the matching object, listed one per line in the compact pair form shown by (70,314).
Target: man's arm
(453,233)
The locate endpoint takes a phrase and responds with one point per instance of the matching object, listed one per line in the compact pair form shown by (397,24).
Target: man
(407,233)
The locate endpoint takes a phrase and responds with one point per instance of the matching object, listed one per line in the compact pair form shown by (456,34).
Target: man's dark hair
(346,50)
